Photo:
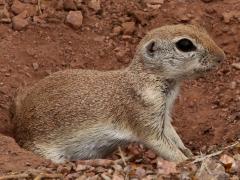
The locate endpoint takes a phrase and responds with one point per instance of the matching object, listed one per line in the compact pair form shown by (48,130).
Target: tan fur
(82,114)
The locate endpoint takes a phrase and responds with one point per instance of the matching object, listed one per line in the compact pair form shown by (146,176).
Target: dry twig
(39,7)
(202,158)
(122,155)
(119,161)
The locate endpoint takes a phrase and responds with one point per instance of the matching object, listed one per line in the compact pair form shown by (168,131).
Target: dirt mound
(207,114)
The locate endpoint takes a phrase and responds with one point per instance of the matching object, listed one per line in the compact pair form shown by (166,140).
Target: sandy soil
(207,113)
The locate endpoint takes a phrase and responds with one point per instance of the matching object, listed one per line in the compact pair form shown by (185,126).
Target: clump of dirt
(38,39)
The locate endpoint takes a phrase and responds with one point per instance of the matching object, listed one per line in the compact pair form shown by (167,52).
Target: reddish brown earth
(208,110)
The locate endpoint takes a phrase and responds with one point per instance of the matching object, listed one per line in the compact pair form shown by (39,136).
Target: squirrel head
(178,51)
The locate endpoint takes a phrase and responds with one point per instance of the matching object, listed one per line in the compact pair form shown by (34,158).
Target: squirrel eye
(185,45)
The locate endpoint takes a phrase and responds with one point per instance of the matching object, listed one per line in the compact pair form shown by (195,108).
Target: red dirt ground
(208,110)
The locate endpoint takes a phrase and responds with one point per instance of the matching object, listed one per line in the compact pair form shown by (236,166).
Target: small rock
(234,177)
(237,156)
(150,154)
(128,28)
(64,169)
(117,176)
(35,66)
(4,13)
(228,161)
(2,2)
(81,167)
(18,7)
(99,38)
(105,177)
(4,90)
(78,3)
(228,16)
(233,85)
(95,4)
(166,167)
(7,74)
(23,15)
(74,19)
(38,19)
(236,65)
(59,5)
(212,170)
(140,172)
(82,177)
(154,4)
(5,16)
(140,16)
(69,5)
(155,1)
(121,57)
(6,20)
(19,23)
(185,18)
(72,176)
(117,30)
(117,167)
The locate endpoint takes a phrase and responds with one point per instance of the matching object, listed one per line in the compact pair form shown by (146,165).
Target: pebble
(150,154)
(81,167)
(121,57)
(233,85)
(117,167)
(105,177)
(78,3)
(19,23)
(140,172)
(74,19)
(5,16)
(4,89)
(82,177)
(18,7)
(117,176)
(95,5)
(228,16)
(225,159)
(185,18)
(236,65)
(234,177)
(154,4)
(72,176)
(99,38)
(59,5)
(35,66)
(4,13)
(128,28)
(117,30)
(64,169)
(69,5)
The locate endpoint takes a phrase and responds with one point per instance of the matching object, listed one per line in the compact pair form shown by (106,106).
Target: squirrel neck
(137,69)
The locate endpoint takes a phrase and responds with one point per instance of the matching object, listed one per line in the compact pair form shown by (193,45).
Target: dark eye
(185,45)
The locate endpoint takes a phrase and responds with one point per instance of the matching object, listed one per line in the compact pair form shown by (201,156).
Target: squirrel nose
(219,58)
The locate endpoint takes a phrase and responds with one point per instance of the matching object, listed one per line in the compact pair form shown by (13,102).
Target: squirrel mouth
(203,70)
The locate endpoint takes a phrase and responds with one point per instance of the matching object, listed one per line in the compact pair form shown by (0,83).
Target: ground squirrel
(83,114)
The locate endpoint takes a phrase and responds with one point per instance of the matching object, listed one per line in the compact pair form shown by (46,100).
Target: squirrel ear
(151,48)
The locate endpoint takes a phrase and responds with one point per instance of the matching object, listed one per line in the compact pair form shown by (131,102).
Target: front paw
(187,152)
